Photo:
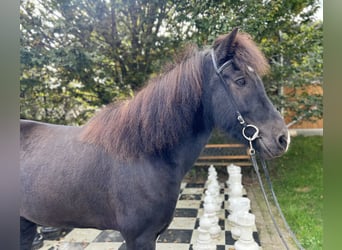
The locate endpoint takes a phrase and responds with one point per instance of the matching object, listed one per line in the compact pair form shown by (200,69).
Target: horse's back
(27,130)
(45,145)
(29,126)
(34,135)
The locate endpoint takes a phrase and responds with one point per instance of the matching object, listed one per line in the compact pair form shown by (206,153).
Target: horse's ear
(224,47)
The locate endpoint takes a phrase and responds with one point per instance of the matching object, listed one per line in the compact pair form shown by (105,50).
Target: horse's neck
(191,146)
(189,149)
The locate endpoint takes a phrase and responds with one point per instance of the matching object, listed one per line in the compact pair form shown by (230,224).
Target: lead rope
(256,168)
(293,236)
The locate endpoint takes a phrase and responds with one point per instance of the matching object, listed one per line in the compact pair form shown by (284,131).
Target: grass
(298,183)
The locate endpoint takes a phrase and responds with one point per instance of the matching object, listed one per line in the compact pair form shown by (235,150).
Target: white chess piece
(213,193)
(214,188)
(212,176)
(232,169)
(235,181)
(210,212)
(211,169)
(236,189)
(239,205)
(210,199)
(204,241)
(246,222)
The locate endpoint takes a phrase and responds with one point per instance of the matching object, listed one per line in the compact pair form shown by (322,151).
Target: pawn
(212,176)
(212,181)
(204,241)
(209,211)
(209,199)
(212,169)
(214,192)
(246,222)
(214,188)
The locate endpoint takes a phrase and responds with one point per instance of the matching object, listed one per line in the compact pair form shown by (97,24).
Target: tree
(94,51)
(79,55)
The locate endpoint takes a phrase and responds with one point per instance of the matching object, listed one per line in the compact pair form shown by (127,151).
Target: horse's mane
(162,112)
(157,117)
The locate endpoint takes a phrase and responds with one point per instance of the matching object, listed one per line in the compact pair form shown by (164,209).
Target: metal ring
(241,120)
(251,151)
(255,135)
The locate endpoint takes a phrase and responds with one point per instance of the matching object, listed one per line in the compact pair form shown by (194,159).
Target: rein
(267,175)
(252,154)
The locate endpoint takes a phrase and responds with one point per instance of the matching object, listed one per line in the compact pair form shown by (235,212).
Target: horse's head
(238,95)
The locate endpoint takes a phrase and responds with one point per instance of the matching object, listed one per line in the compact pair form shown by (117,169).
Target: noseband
(242,121)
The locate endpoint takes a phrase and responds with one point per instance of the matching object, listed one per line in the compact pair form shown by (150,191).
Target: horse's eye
(240,81)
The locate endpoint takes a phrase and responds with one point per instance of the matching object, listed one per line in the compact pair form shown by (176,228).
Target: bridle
(255,135)
(252,153)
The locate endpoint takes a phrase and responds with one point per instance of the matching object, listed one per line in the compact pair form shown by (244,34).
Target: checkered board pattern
(181,234)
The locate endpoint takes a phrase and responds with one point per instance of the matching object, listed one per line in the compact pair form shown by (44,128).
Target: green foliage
(286,32)
(298,181)
(78,55)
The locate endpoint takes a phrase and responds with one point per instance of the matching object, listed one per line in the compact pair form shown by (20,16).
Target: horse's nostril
(283,141)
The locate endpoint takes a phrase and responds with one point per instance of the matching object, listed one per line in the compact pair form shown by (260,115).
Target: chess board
(181,234)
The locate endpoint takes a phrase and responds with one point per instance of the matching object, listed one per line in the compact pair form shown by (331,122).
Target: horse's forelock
(246,53)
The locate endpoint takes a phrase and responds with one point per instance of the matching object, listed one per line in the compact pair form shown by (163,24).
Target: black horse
(122,170)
